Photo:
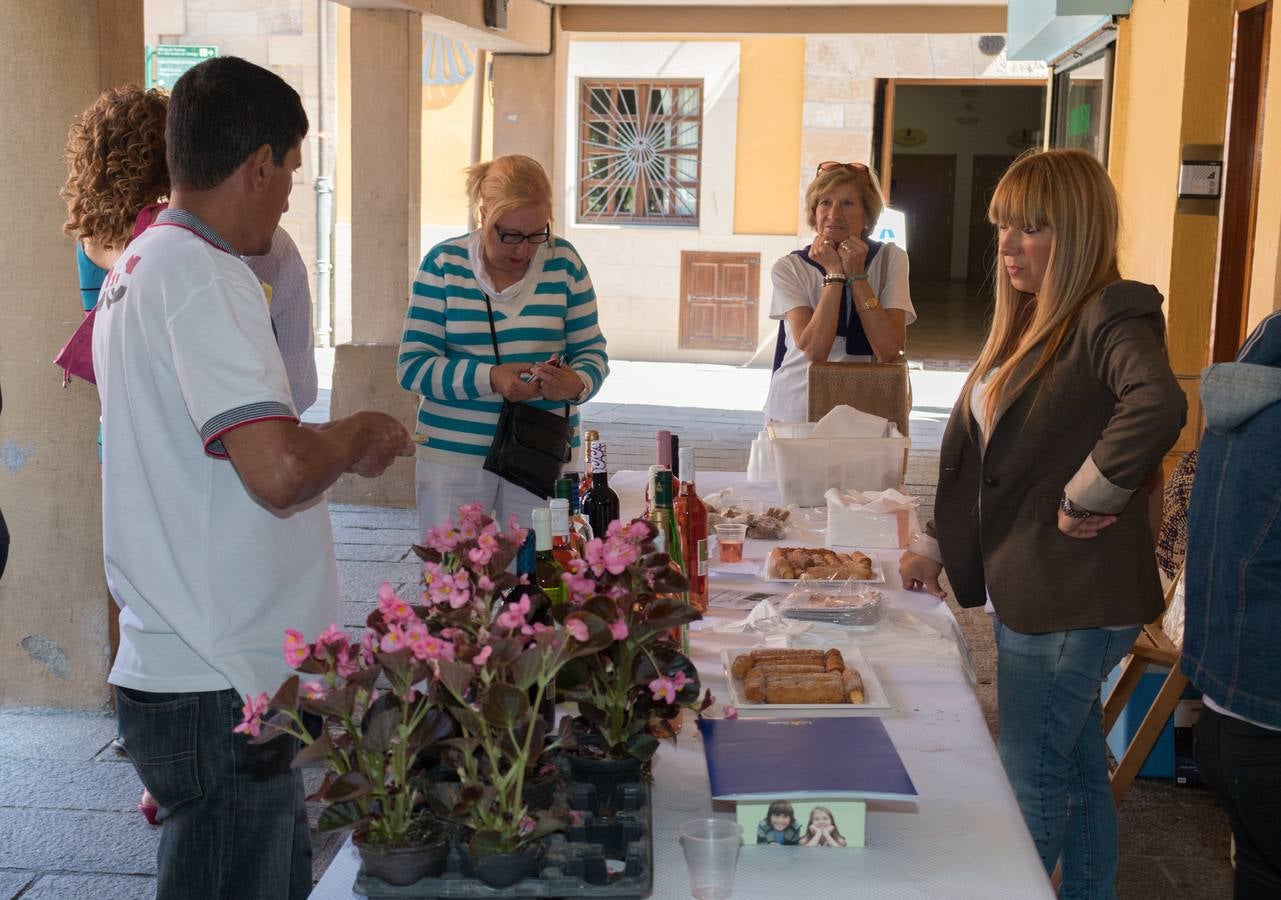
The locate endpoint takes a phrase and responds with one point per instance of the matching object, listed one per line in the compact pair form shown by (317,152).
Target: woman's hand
(506,381)
(853,253)
(919,573)
(823,251)
(558,382)
(1083,529)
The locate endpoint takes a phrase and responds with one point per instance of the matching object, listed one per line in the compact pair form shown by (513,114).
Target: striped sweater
(446,352)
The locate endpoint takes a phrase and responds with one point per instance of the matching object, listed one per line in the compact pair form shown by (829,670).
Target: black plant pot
(403,865)
(604,774)
(500,870)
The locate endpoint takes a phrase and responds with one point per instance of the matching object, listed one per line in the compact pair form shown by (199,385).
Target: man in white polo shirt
(216,534)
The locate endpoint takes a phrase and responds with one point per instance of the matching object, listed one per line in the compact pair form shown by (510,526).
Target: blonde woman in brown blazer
(1063,419)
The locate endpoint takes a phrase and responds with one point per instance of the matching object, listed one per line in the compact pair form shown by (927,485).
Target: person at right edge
(1041,511)
(216,534)
(1233,603)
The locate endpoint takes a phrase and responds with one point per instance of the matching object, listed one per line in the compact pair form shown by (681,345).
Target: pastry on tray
(792,563)
(797,676)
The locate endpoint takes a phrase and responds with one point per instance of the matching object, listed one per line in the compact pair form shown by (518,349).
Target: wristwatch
(1072,511)
(834,278)
(871,302)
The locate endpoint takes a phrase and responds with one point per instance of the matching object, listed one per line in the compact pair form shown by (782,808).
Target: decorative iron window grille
(640,151)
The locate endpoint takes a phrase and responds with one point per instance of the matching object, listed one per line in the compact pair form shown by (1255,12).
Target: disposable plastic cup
(711,855)
(729,542)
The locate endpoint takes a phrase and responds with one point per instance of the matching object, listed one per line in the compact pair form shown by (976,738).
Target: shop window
(640,151)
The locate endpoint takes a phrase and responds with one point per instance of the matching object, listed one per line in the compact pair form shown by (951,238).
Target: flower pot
(604,774)
(403,865)
(500,870)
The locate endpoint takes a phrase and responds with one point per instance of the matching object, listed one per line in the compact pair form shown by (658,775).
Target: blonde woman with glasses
(1041,512)
(842,297)
(535,289)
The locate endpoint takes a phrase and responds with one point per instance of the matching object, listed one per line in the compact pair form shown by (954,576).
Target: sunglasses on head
(515,237)
(831,165)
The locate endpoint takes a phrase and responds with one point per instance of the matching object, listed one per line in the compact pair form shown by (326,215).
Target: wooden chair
(1152,647)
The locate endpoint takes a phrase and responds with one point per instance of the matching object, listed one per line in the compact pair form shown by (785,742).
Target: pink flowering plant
(375,701)
(502,664)
(630,691)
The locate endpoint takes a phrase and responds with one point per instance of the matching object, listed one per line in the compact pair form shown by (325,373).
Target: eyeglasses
(515,237)
(832,165)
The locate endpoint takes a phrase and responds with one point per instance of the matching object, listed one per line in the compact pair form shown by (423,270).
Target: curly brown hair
(115,163)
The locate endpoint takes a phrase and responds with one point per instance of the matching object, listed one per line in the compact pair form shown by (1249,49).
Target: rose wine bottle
(691,519)
(562,538)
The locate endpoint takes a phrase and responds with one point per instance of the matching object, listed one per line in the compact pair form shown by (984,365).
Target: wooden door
(1241,181)
(981,256)
(924,188)
(719,297)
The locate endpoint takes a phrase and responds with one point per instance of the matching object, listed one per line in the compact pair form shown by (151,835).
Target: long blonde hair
(1069,192)
(507,183)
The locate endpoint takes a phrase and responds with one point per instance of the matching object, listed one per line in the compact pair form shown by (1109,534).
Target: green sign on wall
(167,62)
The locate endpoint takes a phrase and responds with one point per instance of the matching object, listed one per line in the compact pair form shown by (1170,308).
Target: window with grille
(640,151)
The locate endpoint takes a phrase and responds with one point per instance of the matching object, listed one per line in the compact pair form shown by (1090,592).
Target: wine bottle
(562,539)
(540,611)
(590,437)
(580,531)
(600,504)
(676,466)
(547,570)
(668,539)
(691,519)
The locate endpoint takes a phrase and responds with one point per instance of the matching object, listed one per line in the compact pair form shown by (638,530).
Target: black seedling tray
(574,862)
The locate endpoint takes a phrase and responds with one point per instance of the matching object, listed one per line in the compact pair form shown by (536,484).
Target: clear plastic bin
(806,467)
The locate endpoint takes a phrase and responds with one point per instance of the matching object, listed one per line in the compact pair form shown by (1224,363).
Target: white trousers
(440,489)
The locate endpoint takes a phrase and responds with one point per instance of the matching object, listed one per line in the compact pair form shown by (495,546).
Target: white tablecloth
(963,838)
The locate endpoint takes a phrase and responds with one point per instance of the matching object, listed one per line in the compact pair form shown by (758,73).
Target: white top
(284,270)
(207,579)
(797,284)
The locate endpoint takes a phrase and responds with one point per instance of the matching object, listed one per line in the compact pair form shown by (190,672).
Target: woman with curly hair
(116,174)
(115,170)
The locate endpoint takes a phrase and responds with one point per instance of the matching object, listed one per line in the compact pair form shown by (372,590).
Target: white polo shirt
(207,579)
(797,283)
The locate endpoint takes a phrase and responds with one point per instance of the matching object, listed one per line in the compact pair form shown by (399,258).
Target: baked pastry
(794,563)
(786,654)
(793,675)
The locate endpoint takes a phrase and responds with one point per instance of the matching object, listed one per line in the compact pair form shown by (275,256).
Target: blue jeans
(235,822)
(1052,747)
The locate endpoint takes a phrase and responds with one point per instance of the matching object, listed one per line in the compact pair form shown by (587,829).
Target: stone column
(55,57)
(380,123)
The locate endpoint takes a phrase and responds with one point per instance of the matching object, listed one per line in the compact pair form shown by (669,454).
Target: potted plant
(502,665)
(631,690)
(369,737)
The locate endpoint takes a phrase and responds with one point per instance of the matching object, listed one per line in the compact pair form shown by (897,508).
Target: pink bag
(76,356)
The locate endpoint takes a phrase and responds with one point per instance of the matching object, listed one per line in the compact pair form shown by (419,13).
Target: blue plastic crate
(1160,761)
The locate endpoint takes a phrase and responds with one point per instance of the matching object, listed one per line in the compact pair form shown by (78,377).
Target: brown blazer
(1095,424)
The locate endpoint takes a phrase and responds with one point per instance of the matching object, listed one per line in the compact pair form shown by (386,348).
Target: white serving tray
(875,702)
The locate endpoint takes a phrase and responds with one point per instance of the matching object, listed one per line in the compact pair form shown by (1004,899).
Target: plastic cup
(729,541)
(711,854)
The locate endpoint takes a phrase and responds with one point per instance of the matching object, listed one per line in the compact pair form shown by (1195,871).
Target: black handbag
(531,444)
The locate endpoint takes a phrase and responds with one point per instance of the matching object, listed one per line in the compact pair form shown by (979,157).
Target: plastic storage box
(1160,761)
(806,467)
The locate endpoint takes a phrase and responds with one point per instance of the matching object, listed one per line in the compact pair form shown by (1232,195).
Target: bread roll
(833,661)
(852,684)
(742,665)
(754,687)
(825,687)
(787,655)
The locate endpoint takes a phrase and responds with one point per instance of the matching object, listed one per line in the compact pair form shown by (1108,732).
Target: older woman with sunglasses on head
(843,297)
(544,346)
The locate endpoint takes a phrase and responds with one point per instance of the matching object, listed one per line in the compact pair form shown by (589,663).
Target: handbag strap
(493,336)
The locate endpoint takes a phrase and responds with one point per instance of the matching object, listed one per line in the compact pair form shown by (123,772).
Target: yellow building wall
(1265,275)
(1171,77)
(447,142)
(770,117)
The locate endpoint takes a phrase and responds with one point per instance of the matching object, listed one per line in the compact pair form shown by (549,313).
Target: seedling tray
(573,865)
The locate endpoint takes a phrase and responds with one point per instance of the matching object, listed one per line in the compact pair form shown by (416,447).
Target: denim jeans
(1052,747)
(233,814)
(1241,764)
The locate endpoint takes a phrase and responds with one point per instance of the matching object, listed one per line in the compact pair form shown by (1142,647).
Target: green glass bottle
(668,539)
(547,571)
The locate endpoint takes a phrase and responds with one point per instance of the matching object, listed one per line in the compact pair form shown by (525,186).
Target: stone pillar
(380,141)
(525,107)
(56,57)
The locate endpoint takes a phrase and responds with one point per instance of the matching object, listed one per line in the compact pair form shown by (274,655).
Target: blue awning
(1046,29)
